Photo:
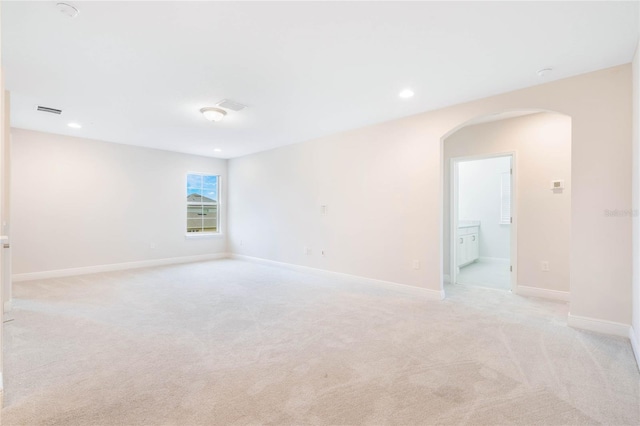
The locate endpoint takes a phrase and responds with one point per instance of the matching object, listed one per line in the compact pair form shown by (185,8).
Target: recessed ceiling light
(75,125)
(406,93)
(217,150)
(67,9)
(544,71)
(213,114)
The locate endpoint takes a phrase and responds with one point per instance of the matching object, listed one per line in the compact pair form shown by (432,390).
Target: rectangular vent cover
(233,106)
(51,110)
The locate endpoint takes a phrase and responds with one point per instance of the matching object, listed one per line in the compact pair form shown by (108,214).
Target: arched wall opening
(599,105)
(539,144)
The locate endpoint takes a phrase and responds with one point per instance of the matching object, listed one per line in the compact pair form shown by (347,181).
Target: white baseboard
(598,325)
(524,290)
(493,259)
(430,294)
(635,345)
(114,267)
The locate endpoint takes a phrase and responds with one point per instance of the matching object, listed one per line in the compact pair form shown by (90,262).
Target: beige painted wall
(5,203)
(542,146)
(79,202)
(382,185)
(636,201)
(2,133)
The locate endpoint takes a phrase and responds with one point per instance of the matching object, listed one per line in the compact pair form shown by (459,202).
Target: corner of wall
(635,344)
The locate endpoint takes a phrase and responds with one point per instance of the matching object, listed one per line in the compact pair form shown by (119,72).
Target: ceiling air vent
(233,106)
(51,110)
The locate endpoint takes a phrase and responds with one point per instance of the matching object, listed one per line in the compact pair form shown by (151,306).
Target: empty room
(320,213)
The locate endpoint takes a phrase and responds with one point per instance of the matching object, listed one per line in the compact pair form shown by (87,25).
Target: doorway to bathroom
(482,221)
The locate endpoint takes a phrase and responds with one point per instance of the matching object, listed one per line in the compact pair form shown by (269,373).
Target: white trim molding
(202,235)
(57,273)
(446,278)
(598,325)
(493,260)
(7,306)
(430,294)
(523,290)
(635,345)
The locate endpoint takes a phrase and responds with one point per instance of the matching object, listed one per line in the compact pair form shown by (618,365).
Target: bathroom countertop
(468,223)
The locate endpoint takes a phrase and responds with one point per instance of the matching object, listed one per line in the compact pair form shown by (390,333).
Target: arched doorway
(538,227)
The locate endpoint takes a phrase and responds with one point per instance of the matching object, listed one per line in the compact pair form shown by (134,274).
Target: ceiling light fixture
(75,125)
(406,94)
(67,9)
(213,114)
(217,150)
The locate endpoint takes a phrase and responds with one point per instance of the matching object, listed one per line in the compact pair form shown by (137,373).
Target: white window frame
(217,204)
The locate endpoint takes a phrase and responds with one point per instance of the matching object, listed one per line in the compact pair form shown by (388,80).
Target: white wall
(383,187)
(79,202)
(479,198)
(542,146)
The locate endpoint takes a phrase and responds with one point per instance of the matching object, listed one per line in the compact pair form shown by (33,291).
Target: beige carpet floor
(230,342)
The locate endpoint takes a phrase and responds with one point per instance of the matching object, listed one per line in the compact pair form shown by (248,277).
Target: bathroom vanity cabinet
(468,244)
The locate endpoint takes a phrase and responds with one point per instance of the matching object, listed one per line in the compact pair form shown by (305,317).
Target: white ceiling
(138,72)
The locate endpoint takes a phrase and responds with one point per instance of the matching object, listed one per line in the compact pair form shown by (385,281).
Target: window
(202,203)
(505,198)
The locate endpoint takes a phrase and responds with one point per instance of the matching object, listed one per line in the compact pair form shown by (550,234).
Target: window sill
(202,235)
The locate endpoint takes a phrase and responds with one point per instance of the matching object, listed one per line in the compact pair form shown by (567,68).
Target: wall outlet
(416,264)
(307,251)
(324,210)
(152,246)
(544,266)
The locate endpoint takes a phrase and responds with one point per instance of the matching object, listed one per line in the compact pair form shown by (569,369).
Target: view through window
(202,203)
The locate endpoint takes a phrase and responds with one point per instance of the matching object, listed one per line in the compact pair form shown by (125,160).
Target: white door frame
(453,213)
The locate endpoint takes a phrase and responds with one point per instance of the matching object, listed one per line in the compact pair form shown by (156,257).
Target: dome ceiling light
(213,114)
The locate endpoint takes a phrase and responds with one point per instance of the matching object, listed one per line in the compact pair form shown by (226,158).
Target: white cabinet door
(473,248)
(467,246)
(461,250)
